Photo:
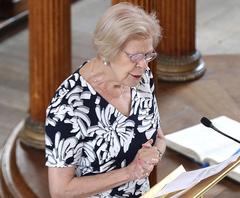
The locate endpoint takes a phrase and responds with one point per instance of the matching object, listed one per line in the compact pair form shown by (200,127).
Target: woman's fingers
(145,160)
(148,144)
(150,155)
(145,171)
(142,168)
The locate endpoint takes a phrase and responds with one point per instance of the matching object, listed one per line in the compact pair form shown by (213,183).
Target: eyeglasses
(136,58)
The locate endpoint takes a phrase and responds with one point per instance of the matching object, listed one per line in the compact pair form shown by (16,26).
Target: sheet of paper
(173,175)
(188,179)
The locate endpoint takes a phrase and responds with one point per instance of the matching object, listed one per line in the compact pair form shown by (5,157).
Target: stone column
(178,59)
(50,61)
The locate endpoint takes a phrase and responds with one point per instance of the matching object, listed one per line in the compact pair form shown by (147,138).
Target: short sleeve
(60,144)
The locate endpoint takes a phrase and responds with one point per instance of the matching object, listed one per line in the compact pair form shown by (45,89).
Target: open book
(206,146)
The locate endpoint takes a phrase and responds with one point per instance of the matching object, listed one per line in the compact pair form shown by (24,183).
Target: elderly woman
(103,135)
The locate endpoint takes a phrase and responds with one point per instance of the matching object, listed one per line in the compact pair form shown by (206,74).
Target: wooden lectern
(196,191)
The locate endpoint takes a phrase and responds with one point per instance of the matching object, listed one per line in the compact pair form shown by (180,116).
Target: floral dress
(85,131)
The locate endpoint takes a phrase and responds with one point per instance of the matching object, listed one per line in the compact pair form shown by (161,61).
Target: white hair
(119,24)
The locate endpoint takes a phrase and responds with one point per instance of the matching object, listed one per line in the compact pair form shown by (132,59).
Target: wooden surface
(21,171)
(12,181)
(10,8)
(183,105)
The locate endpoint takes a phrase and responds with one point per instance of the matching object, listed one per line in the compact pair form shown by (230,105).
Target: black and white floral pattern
(85,131)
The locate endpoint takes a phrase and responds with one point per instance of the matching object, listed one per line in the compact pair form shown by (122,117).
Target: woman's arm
(64,183)
(160,143)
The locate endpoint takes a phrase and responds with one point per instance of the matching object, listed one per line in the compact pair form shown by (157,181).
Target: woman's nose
(142,63)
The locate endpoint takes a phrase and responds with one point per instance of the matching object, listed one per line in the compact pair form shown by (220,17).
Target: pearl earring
(105,62)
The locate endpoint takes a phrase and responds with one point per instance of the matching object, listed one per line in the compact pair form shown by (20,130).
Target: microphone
(206,122)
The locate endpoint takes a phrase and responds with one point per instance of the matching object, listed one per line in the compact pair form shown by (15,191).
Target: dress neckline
(132,93)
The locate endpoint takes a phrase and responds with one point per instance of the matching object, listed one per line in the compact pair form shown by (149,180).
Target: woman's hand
(138,169)
(145,160)
(150,154)
(154,150)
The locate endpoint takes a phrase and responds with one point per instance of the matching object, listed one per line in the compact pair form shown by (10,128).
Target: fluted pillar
(146,4)
(50,61)
(178,58)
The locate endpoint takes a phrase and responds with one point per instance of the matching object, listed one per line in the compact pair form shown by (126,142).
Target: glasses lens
(150,56)
(137,57)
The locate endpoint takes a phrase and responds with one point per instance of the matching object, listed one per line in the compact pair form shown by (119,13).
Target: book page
(225,152)
(200,142)
(216,158)
(188,179)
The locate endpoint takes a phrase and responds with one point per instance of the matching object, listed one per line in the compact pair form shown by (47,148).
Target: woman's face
(130,64)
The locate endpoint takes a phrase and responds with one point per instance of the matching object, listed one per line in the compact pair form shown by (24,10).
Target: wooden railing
(10,8)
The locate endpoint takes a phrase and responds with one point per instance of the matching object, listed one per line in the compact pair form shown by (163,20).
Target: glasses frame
(137,57)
